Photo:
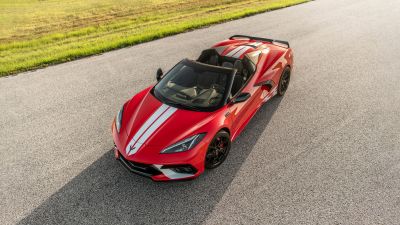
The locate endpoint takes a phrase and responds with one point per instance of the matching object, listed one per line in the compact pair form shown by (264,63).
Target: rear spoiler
(277,42)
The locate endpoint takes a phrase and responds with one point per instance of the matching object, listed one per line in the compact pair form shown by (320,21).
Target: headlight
(184,145)
(118,119)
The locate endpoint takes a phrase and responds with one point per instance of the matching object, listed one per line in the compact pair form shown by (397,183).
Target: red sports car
(185,123)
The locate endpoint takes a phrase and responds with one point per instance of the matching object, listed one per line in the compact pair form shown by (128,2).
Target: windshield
(195,86)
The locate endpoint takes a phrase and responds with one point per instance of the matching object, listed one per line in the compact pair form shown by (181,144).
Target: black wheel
(284,81)
(218,150)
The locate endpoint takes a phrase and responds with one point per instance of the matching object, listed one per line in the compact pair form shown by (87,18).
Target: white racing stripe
(256,44)
(234,51)
(149,122)
(241,51)
(150,130)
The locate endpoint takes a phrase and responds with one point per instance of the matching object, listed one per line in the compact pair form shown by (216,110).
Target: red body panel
(181,124)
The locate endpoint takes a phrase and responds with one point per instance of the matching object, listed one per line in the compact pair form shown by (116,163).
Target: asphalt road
(328,152)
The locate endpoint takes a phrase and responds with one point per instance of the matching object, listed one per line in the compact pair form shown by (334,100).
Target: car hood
(152,125)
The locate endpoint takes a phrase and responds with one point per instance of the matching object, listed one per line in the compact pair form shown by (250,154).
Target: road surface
(328,152)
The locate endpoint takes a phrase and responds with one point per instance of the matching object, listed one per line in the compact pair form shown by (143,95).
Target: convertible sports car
(186,122)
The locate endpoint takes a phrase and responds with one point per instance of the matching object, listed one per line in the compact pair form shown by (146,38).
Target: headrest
(227,64)
(213,60)
(238,65)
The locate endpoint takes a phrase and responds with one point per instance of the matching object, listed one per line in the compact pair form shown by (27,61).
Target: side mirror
(241,98)
(159,74)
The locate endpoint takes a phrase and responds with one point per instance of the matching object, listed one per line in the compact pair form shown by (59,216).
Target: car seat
(239,80)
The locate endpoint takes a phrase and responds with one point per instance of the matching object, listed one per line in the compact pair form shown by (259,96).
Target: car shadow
(106,193)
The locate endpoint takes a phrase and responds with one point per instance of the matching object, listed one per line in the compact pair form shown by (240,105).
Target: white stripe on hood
(149,127)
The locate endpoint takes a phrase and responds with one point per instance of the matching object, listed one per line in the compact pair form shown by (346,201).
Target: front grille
(139,168)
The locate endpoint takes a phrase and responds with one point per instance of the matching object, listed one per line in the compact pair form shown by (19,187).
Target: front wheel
(284,81)
(218,150)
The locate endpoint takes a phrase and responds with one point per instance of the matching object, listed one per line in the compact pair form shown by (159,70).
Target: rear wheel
(284,81)
(218,150)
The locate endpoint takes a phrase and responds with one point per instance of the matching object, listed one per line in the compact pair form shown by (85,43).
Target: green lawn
(36,33)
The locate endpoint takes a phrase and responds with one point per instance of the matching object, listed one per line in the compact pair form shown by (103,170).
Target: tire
(284,81)
(218,150)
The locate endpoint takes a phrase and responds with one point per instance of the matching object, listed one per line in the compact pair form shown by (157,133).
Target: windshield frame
(230,72)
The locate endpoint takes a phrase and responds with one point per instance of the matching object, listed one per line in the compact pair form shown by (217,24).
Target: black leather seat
(227,64)
(239,79)
(213,60)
